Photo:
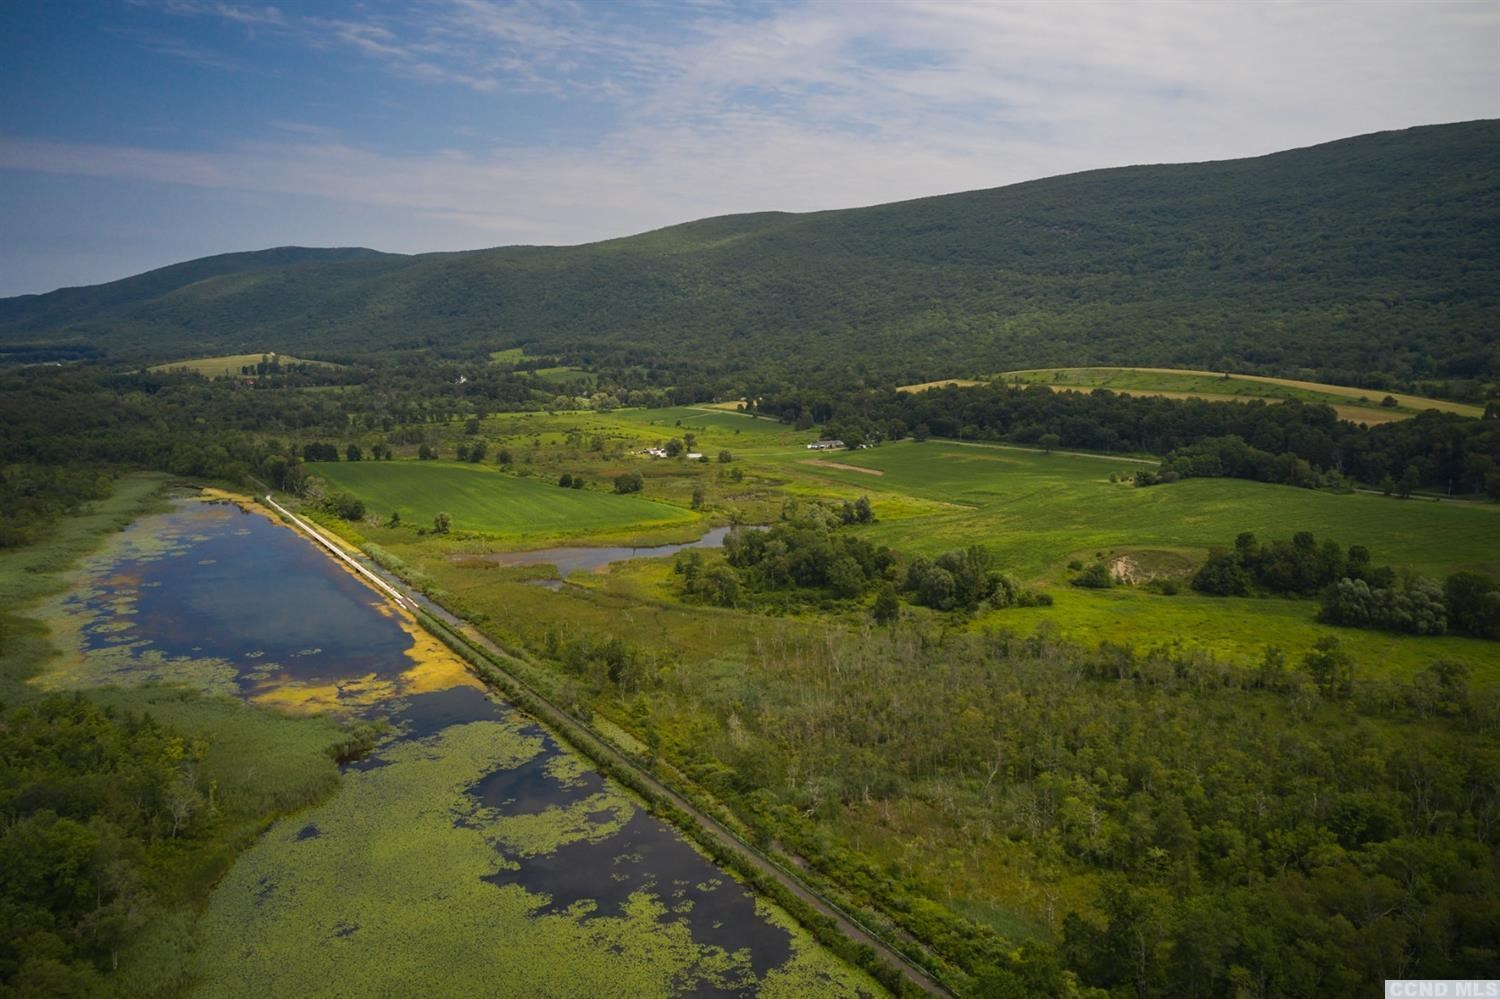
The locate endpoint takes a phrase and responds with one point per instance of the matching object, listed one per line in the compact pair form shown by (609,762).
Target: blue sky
(135,133)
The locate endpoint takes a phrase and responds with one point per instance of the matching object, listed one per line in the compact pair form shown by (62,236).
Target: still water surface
(587,558)
(210,581)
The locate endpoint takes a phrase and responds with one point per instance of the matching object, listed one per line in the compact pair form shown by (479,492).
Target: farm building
(830,445)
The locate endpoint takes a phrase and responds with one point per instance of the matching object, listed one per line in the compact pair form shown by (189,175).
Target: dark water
(231,585)
(529,788)
(640,857)
(419,716)
(571,560)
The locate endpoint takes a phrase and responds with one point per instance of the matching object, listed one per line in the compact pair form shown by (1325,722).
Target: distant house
(694,455)
(655,452)
(830,445)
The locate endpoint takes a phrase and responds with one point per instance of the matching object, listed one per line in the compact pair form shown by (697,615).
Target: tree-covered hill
(1378,255)
(72,305)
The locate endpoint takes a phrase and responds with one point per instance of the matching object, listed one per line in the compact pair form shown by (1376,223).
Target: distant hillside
(1374,254)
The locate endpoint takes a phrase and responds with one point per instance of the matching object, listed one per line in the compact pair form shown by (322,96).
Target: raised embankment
(831,924)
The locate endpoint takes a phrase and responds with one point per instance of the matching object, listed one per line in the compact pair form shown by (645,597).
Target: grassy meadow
(1360,405)
(1037,512)
(486,500)
(232,365)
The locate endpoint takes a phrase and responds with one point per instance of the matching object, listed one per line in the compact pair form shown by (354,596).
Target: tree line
(1352,590)
(1290,442)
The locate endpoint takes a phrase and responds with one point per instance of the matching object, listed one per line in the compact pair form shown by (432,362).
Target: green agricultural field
(1038,510)
(231,365)
(1356,403)
(563,375)
(492,502)
(717,428)
(1035,511)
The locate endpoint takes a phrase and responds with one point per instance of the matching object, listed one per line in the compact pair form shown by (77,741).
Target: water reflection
(584,559)
(212,581)
(220,583)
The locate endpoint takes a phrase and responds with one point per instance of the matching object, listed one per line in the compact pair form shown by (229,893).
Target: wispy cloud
(710,109)
(159,43)
(248,14)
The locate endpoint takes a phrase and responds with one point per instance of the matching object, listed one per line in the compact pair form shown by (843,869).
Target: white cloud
(832,104)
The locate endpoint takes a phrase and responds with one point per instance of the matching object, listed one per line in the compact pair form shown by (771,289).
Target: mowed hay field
(492,502)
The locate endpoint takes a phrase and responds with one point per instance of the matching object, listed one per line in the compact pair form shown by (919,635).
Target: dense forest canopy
(1364,261)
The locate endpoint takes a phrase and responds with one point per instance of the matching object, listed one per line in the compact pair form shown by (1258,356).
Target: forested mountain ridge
(68,306)
(1377,255)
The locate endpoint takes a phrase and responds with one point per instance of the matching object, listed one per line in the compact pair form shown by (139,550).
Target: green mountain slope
(1374,254)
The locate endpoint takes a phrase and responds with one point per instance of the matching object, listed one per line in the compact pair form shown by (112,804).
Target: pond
(470,853)
(587,558)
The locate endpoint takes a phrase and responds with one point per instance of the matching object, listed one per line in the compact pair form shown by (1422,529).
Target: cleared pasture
(232,365)
(1238,629)
(718,428)
(940,383)
(563,374)
(1219,386)
(1035,511)
(493,502)
(1038,510)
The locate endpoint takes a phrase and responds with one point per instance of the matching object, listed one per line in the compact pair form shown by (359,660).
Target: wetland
(468,852)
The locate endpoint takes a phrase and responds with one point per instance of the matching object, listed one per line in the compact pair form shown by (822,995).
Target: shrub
(1096,577)
(1222,576)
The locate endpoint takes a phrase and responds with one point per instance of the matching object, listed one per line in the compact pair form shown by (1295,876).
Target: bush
(1222,576)
(347,505)
(629,482)
(1417,608)
(1096,577)
(1473,602)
